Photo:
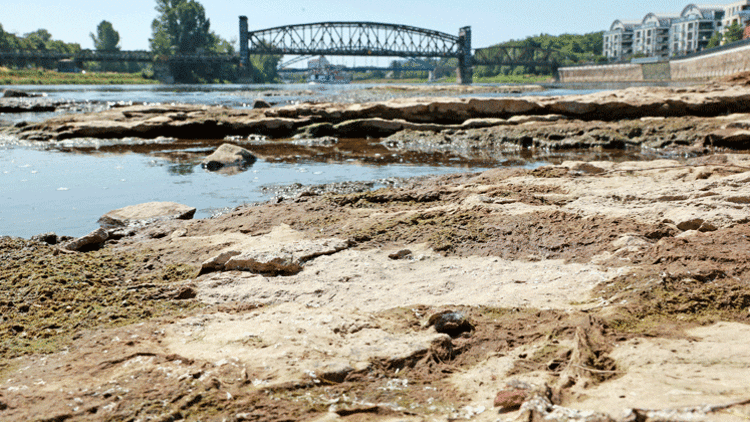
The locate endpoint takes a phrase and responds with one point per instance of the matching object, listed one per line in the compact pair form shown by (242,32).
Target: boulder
(91,241)
(13,93)
(149,211)
(228,155)
(261,104)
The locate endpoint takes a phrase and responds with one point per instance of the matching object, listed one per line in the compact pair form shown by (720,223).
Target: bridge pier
(244,54)
(464,72)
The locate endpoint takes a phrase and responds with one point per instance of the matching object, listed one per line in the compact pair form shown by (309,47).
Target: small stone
(451,323)
(508,400)
(690,224)
(48,238)
(404,253)
(707,227)
(91,241)
(588,168)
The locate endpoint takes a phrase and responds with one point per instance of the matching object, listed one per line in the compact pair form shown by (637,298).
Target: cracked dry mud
(604,287)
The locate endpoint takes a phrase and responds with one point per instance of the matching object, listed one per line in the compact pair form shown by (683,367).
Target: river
(65,190)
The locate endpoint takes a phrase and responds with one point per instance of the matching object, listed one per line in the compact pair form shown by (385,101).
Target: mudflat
(587,290)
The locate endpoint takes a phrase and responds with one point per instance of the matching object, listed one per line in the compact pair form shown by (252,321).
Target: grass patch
(51,77)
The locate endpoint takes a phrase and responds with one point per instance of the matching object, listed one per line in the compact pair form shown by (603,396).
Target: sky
(492,21)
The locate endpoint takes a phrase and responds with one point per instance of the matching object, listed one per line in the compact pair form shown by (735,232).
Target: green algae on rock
(47,296)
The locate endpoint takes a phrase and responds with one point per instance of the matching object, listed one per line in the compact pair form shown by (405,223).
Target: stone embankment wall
(715,65)
(603,73)
(707,66)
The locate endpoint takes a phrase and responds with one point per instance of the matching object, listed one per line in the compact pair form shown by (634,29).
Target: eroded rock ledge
(380,119)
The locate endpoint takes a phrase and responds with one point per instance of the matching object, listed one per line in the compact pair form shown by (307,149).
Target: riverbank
(51,77)
(578,291)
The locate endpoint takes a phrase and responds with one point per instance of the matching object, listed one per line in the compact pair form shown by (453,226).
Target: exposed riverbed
(65,188)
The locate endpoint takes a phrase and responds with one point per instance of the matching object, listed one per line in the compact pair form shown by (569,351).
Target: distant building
(652,35)
(664,36)
(737,12)
(319,63)
(694,28)
(618,41)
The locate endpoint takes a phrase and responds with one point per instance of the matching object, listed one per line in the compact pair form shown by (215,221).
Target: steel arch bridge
(356,39)
(353,39)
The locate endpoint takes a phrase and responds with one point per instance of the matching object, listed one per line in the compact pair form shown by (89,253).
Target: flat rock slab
(378,118)
(146,212)
(710,367)
(281,259)
(291,342)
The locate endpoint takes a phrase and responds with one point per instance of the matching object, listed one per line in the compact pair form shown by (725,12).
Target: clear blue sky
(492,21)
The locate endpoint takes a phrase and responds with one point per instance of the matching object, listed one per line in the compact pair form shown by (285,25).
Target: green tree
(181,28)
(106,38)
(7,41)
(715,40)
(733,33)
(37,40)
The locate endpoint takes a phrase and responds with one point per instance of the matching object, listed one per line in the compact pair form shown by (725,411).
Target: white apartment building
(652,35)
(618,41)
(737,12)
(672,35)
(694,28)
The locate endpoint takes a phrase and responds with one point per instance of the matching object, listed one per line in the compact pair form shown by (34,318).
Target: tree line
(572,48)
(180,28)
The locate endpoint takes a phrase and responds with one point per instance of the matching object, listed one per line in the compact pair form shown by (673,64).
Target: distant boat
(329,76)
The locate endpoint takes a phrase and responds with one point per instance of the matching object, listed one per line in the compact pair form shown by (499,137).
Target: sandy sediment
(592,290)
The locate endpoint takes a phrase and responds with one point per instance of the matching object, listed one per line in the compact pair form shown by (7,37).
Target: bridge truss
(353,39)
(356,39)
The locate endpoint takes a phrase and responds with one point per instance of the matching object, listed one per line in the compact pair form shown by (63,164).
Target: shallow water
(66,193)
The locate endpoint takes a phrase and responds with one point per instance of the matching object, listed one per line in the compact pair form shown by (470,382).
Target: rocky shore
(588,290)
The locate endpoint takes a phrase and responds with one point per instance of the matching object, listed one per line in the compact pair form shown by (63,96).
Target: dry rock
(149,211)
(284,260)
(511,399)
(92,240)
